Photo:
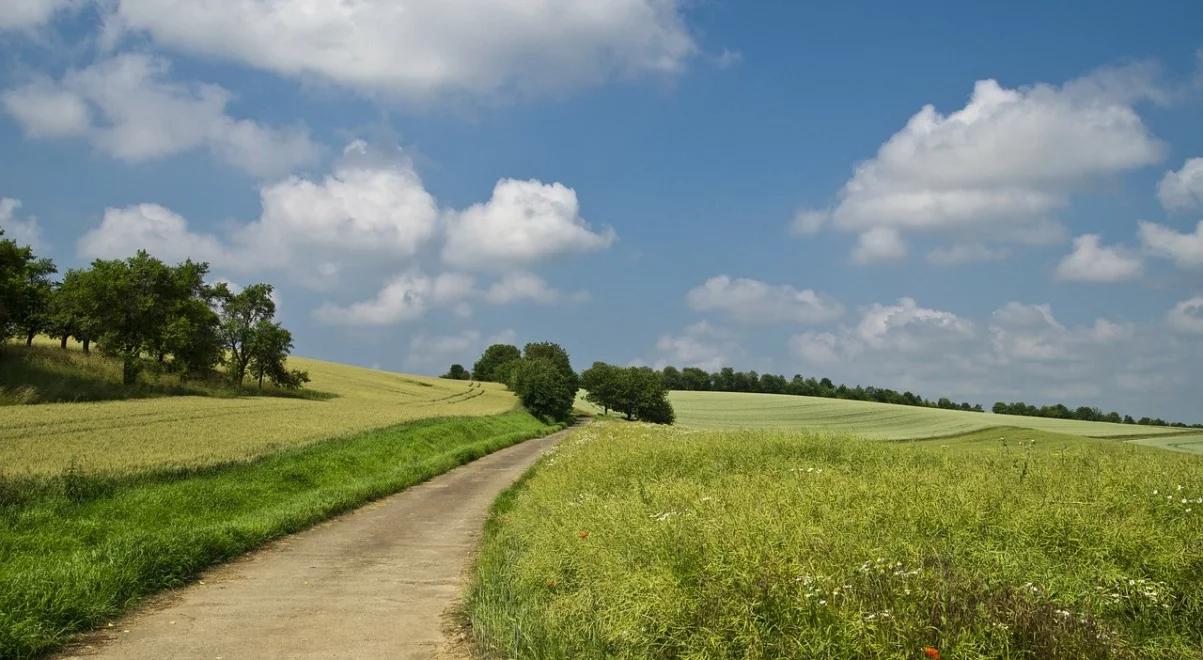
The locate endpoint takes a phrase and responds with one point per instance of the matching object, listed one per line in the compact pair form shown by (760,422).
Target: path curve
(373,583)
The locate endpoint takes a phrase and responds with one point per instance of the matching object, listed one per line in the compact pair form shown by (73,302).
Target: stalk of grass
(76,550)
(639,541)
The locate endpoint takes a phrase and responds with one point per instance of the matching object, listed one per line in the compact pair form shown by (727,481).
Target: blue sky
(710,183)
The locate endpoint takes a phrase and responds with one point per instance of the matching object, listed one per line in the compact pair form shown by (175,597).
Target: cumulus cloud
(1001,167)
(25,14)
(127,107)
(962,253)
(1187,316)
(514,287)
(24,231)
(405,298)
(809,221)
(879,245)
(426,49)
(819,348)
(1182,190)
(153,228)
(523,223)
(752,301)
(1092,262)
(700,345)
(432,353)
(1184,249)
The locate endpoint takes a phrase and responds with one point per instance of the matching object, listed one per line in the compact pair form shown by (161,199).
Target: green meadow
(640,541)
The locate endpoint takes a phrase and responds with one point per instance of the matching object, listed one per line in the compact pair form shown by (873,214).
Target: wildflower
(551,584)
(583,535)
(931,652)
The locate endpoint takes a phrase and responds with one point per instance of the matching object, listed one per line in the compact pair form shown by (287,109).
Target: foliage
(217,426)
(543,388)
(637,392)
(642,541)
(1083,413)
(25,290)
(491,367)
(77,549)
(457,372)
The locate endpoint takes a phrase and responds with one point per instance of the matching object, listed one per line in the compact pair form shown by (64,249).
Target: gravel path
(377,582)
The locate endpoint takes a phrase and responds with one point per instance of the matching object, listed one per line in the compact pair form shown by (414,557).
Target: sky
(980,202)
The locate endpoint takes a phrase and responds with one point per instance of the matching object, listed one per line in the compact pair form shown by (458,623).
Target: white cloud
(153,228)
(809,221)
(962,253)
(1092,262)
(426,49)
(1185,250)
(700,345)
(752,301)
(24,232)
(1187,316)
(524,222)
(818,347)
(515,287)
(127,107)
(908,327)
(879,245)
(1182,190)
(1003,165)
(405,298)
(24,14)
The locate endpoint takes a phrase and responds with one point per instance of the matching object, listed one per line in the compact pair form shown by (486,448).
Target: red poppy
(583,535)
(931,652)
(551,584)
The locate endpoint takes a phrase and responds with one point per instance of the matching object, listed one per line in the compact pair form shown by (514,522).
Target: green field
(114,437)
(641,541)
(719,410)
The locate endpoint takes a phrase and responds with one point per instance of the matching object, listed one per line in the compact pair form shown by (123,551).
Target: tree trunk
(260,379)
(29,338)
(129,371)
(62,342)
(87,345)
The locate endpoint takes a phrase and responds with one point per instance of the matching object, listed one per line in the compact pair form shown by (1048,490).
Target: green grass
(719,410)
(640,541)
(1189,442)
(162,430)
(76,549)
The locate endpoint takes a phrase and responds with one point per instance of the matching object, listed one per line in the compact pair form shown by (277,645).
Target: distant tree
(695,379)
(131,300)
(458,372)
(600,383)
(555,354)
(492,365)
(269,351)
(672,379)
(243,317)
(543,388)
(32,311)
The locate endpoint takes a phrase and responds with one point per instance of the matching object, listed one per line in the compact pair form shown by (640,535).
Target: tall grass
(77,549)
(637,541)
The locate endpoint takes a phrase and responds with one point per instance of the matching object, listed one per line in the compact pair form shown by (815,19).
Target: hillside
(174,431)
(881,421)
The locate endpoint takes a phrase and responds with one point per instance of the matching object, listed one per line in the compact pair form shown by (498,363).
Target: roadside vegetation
(643,541)
(76,549)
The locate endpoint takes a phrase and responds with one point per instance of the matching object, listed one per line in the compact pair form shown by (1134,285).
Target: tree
(544,390)
(695,379)
(25,291)
(458,372)
(242,318)
(268,353)
(131,302)
(492,367)
(600,383)
(554,353)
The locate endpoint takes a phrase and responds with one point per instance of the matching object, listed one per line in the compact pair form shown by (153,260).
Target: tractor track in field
(378,582)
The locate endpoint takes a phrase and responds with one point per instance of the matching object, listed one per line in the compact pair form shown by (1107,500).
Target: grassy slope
(116,437)
(868,419)
(76,550)
(640,541)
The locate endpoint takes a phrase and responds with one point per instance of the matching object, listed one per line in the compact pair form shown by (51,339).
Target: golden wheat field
(189,431)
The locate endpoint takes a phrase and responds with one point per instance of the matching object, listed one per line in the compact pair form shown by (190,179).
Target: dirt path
(373,583)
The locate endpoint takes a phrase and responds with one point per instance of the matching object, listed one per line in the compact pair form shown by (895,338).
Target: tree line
(541,375)
(147,314)
(1085,413)
(729,380)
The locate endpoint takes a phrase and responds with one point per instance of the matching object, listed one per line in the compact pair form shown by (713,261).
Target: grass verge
(639,541)
(76,550)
